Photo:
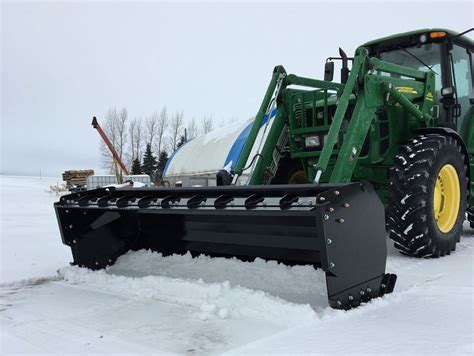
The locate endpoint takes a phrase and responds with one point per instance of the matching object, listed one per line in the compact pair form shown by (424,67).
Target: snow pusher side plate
(339,228)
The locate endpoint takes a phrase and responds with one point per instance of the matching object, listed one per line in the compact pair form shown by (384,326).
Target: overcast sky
(63,63)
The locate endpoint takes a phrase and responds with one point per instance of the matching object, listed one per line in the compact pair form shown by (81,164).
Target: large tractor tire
(427,196)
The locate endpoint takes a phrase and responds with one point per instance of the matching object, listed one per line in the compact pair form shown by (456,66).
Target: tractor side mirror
(447,91)
(329,71)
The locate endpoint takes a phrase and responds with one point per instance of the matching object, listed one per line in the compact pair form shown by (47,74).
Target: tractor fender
(454,134)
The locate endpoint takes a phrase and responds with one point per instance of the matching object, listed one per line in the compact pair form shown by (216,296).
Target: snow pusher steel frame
(338,228)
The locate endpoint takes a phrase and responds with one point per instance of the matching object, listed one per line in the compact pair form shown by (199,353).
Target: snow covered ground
(147,303)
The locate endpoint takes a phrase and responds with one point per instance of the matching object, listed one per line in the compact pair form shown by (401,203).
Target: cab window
(462,78)
(417,57)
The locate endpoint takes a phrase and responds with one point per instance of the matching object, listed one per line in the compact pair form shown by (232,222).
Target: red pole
(102,134)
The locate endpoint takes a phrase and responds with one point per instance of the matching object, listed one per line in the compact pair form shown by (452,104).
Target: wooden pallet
(77,177)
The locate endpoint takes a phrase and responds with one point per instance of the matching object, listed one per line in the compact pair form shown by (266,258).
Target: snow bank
(135,274)
(298,284)
(30,243)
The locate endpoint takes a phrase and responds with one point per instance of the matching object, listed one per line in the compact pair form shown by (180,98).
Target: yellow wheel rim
(446,198)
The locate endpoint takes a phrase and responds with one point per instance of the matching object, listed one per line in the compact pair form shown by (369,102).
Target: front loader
(395,135)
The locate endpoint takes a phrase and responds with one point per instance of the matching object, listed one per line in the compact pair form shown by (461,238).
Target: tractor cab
(445,53)
(448,55)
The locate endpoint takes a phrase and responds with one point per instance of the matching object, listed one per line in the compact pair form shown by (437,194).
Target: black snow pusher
(336,227)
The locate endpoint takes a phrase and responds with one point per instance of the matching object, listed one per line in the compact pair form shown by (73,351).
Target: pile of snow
(303,284)
(212,299)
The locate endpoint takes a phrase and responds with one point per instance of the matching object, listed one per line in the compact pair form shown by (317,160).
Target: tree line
(144,144)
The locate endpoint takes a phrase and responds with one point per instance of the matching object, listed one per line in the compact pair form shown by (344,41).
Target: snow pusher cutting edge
(336,227)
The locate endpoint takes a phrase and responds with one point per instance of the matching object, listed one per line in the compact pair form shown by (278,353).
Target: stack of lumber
(77,177)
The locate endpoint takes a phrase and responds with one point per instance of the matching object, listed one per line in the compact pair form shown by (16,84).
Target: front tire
(427,196)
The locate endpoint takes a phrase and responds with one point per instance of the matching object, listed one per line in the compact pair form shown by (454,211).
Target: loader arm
(368,90)
(268,102)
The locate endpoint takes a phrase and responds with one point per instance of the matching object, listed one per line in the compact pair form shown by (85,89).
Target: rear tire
(427,196)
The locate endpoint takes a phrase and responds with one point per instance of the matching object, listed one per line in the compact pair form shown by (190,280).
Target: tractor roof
(409,35)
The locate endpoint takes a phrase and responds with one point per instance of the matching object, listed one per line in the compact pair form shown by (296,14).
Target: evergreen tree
(136,167)
(149,162)
(163,158)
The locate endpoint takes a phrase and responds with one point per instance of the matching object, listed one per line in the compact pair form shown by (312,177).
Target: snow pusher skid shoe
(338,228)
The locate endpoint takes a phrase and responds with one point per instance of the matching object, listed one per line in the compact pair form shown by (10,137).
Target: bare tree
(161,130)
(223,122)
(131,154)
(192,130)
(233,119)
(138,139)
(109,127)
(135,141)
(176,129)
(115,127)
(122,131)
(207,124)
(168,144)
(151,125)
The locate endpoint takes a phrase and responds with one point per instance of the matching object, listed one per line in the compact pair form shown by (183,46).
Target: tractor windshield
(417,57)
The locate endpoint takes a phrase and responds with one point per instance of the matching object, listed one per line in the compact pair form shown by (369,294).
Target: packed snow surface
(147,303)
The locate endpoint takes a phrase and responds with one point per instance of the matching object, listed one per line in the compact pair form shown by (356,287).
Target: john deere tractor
(390,144)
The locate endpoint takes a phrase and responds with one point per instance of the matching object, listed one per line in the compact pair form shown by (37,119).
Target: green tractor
(401,119)
(324,169)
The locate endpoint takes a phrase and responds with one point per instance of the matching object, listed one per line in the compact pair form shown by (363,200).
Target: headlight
(312,141)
